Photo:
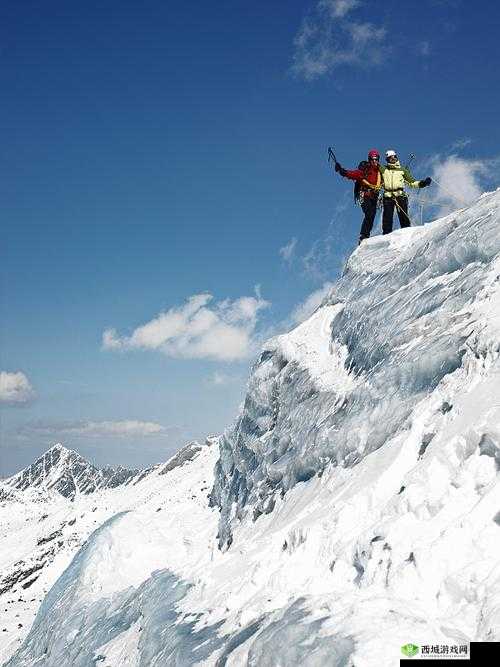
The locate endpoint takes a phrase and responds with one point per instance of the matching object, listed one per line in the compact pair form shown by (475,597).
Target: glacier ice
(397,322)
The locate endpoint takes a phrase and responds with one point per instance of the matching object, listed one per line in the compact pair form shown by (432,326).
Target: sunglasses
(375,159)
(392,157)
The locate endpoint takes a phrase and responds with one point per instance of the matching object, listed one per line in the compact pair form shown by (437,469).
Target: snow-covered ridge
(408,311)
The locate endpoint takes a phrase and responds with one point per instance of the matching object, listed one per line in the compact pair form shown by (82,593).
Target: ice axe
(331,155)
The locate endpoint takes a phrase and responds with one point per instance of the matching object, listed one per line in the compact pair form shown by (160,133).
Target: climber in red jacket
(367,188)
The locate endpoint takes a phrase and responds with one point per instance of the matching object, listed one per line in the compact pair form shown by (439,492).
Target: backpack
(363,166)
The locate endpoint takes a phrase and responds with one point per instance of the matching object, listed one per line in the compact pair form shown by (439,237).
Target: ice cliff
(410,309)
(356,499)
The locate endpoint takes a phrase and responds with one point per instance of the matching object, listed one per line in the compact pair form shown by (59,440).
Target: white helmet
(390,153)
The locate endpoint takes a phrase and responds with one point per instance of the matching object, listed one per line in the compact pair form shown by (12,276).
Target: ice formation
(406,311)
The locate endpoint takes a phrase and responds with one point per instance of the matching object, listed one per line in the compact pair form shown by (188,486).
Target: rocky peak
(65,471)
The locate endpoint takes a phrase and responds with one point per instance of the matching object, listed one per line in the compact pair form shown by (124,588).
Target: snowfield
(352,508)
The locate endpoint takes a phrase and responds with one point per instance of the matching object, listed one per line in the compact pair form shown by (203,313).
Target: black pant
(369,206)
(401,204)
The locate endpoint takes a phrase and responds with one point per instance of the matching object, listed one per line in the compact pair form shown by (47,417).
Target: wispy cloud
(326,254)
(221,379)
(287,252)
(338,8)
(329,37)
(458,182)
(200,329)
(15,389)
(460,144)
(424,49)
(107,429)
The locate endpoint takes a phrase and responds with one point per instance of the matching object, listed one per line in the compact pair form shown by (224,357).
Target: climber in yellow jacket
(394,179)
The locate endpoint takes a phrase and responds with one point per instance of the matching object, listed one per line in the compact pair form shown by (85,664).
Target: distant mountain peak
(65,471)
(59,447)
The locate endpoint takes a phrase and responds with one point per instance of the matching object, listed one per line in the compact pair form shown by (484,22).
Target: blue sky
(155,152)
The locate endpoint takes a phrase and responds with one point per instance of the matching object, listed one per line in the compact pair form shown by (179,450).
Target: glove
(427,181)
(338,167)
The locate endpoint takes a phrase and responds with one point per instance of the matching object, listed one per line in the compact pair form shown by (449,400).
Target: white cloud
(339,8)
(363,34)
(457,182)
(220,331)
(128,427)
(220,379)
(327,39)
(15,388)
(109,429)
(287,252)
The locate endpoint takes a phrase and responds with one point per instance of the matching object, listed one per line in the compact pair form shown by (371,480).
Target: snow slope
(355,503)
(42,526)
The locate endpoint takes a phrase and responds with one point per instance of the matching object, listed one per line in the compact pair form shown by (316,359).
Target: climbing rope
(402,210)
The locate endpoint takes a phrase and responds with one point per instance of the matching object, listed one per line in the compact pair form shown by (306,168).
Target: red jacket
(371,176)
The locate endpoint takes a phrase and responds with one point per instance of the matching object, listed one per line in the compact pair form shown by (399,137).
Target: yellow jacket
(394,179)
